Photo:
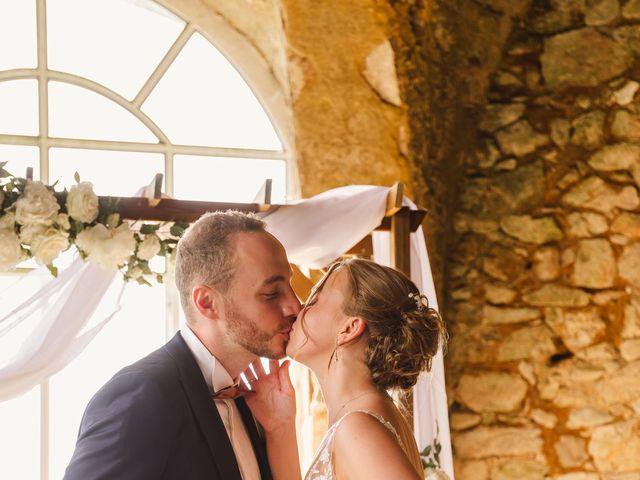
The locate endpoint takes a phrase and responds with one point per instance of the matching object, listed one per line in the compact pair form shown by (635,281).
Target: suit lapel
(256,441)
(207,416)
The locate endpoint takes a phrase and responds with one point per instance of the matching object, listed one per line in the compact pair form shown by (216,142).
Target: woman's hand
(273,401)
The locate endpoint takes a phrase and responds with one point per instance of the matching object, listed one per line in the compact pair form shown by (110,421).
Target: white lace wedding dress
(321,468)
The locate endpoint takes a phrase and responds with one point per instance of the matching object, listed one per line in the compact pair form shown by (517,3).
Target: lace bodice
(321,468)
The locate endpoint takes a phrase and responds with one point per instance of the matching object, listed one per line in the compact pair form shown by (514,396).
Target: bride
(365,330)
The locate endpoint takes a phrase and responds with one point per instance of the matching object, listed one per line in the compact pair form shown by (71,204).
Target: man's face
(260,305)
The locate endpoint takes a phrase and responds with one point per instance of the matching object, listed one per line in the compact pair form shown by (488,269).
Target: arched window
(119,90)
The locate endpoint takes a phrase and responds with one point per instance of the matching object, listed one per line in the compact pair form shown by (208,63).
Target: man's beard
(249,335)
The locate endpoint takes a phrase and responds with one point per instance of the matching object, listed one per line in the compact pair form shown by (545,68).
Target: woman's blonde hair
(404,332)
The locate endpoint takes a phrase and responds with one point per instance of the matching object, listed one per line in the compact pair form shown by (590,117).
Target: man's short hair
(205,253)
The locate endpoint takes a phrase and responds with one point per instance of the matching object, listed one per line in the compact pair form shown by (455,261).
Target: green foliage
(147,229)
(178,228)
(53,269)
(431,455)
(4,173)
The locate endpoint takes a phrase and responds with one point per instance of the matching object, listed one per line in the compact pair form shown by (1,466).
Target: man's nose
(292,305)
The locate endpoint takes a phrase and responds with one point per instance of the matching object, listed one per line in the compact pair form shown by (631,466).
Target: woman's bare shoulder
(365,448)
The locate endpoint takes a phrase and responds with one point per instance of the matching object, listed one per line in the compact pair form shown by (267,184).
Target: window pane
(18,34)
(112,173)
(227,179)
(113,42)
(75,112)
(20,436)
(135,331)
(203,100)
(19,107)
(19,159)
(20,416)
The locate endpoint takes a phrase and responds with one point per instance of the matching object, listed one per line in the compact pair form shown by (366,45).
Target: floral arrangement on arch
(36,221)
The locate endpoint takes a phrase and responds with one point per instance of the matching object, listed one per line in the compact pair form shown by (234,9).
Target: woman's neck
(344,384)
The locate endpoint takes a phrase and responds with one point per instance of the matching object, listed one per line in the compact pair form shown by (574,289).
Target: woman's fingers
(259,369)
(285,378)
(249,373)
(274,365)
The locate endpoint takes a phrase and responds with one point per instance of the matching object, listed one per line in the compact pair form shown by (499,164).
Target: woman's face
(323,318)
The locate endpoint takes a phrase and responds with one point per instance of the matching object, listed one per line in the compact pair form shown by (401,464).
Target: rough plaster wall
(345,132)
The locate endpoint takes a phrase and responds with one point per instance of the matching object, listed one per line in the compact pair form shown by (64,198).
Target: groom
(174,414)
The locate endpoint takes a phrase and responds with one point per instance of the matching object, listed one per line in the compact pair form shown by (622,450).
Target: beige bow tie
(231,392)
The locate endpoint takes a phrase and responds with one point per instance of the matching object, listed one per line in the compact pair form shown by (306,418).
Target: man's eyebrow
(277,278)
(273,279)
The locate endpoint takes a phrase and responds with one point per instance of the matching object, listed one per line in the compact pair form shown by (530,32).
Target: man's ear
(351,330)
(205,300)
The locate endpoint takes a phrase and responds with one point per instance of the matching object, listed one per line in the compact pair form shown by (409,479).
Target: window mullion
(172,301)
(43,95)
(45,426)
(43,124)
(164,65)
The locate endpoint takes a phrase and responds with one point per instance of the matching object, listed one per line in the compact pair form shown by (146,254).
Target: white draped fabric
(60,310)
(314,232)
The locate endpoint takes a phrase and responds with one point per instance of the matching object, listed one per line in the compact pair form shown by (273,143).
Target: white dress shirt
(217,378)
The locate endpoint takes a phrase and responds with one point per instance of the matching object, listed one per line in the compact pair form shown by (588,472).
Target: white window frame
(251,65)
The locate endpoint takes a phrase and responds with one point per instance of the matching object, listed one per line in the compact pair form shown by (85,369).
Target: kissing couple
(184,411)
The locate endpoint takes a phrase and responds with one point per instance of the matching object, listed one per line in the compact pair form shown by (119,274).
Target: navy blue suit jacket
(156,419)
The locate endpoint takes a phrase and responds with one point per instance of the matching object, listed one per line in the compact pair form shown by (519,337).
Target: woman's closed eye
(272,295)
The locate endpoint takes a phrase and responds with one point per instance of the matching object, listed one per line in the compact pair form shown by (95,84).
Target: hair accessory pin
(417,298)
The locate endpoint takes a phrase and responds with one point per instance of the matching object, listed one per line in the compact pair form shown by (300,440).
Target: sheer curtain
(314,232)
(58,313)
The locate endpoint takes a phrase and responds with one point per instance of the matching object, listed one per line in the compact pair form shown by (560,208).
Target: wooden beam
(170,209)
(394,199)
(263,197)
(153,191)
(401,261)
(400,245)
(416,220)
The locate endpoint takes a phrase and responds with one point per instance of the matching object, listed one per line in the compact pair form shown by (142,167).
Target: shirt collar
(214,373)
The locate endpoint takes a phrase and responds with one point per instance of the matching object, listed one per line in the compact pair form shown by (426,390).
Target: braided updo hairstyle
(404,333)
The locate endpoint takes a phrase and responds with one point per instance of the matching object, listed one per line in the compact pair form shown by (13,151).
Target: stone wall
(543,298)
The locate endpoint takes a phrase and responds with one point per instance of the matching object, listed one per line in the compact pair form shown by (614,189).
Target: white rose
(82,203)
(8,221)
(109,247)
(149,247)
(36,205)
(28,233)
(47,246)
(10,251)
(63,221)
